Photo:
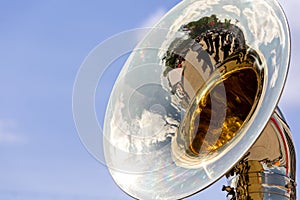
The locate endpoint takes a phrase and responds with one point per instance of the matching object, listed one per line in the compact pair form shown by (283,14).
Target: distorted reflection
(267,171)
(194,96)
(218,79)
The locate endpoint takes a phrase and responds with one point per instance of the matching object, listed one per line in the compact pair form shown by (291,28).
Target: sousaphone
(197,100)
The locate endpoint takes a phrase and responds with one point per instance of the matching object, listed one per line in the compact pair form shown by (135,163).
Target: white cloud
(291,9)
(148,23)
(8,135)
(154,18)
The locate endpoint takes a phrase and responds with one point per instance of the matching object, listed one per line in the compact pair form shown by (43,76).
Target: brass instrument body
(267,171)
(194,97)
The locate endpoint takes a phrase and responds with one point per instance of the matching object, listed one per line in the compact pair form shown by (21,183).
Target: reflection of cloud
(263,30)
(233,9)
(137,134)
(132,141)
(7,134)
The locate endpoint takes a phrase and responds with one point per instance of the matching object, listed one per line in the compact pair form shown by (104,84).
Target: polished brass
(222,104)
(197,100)
(268,169)
(242,84)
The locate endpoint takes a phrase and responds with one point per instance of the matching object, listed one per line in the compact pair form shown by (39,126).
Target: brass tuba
(197,100)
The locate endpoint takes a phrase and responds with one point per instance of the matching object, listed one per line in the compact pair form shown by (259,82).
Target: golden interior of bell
(220,113)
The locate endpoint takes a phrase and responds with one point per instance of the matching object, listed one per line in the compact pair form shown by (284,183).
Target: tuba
(197,101)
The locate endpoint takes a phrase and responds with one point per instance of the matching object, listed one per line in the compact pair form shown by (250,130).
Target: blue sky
(42,45)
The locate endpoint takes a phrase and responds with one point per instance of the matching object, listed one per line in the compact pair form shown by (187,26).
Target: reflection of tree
(175,54)
(202,25)
(220,39)
(196,28)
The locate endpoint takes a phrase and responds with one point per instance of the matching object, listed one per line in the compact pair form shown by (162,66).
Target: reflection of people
(236,44)
(210,43)
(204,56)
(225,69)
(207,43)
(223,38)
(226,49)
(230,192)
(217,46)
(239,58)
(210,40)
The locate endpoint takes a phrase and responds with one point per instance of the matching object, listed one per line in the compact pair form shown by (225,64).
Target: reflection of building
(175,76)
(175,82)
(196,71)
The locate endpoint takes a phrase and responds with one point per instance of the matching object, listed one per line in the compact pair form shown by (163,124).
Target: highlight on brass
(231,88)
(197,100)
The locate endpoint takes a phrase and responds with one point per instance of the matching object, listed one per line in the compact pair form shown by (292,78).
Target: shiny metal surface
(268,169)
(199,88)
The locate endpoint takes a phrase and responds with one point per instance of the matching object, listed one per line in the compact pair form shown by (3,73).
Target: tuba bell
(197,100)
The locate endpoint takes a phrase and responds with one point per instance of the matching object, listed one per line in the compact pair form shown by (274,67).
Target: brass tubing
(268,169)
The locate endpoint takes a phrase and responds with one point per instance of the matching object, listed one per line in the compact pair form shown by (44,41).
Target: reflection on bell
(269,167)
(201,102)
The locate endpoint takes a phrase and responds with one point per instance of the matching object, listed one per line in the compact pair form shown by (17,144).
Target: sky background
(42,45)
